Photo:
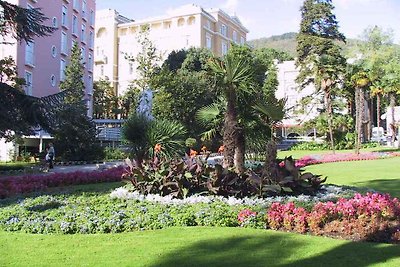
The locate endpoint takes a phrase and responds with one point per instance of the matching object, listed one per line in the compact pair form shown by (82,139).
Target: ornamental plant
(10,186)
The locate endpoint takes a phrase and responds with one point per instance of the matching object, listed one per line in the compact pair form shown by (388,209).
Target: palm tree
(231,74)
(360,81)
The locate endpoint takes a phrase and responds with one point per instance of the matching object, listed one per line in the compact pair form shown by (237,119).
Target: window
(83,55)
(74,25)
(224,48)
(242,40)
(83,33)
(53,80)
(29,53)
(235,36)
(54,51)
(28,83)
(130,68)
(208,24)
(62,69)
(64,43)
(83,9)
(208,41)
(91,39)
(223,30)
(92,17)
(64,16)
(90,61)
(76,5)
(90,85)
(54,22)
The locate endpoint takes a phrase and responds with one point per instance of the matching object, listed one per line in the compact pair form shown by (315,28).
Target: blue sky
(264,18)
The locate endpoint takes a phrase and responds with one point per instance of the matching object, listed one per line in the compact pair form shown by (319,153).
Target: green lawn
(193,246)
(382,175)
(300,153)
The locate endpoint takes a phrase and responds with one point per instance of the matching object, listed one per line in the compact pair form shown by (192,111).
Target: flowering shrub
(246,216)
(11,186)
(325,158)
(372,217)
(287,217)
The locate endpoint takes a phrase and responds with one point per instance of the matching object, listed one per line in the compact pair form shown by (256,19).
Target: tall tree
(74,78)
(231,73)
(319,55)
(75,134)
(105,102)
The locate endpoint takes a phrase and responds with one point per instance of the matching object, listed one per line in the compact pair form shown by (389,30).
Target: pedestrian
(50,156)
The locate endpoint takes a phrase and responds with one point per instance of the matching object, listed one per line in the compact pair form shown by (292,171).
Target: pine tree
(319,54)
(75,135)
(74,78)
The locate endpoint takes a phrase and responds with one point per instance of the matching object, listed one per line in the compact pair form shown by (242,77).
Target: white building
(185,27)
(288,89)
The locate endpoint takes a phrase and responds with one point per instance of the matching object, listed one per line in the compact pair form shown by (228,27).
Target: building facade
(42,62)
(295,113)
(182,28)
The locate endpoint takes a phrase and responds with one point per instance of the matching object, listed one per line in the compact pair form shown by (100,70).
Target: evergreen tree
(319,54)
(74,78)
(75,134)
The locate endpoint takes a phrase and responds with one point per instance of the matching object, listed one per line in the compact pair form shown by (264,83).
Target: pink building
(42,62)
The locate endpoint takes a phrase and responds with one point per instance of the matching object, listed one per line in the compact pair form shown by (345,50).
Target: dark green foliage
(184,177)
(22,23)
(143,134)
(75,136)
(75,133)
(319,56)
(22,113)
(105,102)
(180,95)
(74,79)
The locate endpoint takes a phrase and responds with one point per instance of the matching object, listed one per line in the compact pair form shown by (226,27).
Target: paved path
(85,168)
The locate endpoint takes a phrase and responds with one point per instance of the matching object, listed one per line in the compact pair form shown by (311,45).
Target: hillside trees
(319,56)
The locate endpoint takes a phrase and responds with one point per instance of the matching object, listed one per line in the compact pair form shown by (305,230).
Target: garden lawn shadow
(390,186)
(280,249)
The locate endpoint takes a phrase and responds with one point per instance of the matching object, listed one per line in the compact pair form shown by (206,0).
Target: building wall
(183,28)
(45,68)
(290,90)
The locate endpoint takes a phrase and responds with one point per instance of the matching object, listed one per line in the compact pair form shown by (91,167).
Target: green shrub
(111,153)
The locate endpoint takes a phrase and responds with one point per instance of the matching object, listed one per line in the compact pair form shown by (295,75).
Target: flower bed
(326,158)
(11,186)
(372,217)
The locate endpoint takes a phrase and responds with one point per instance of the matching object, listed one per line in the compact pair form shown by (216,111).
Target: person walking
(50,156)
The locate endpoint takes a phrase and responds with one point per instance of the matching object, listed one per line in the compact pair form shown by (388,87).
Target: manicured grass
(301,153)
(193,246)
(382,175)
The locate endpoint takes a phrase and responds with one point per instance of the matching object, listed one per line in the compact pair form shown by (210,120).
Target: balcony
(100,60)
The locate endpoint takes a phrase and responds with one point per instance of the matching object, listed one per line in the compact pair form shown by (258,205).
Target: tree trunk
(230,130)
(328,104)
(240,151)
(378,110)
(358,119)
(392,124)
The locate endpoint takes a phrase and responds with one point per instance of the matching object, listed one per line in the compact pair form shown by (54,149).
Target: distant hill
(287,42)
